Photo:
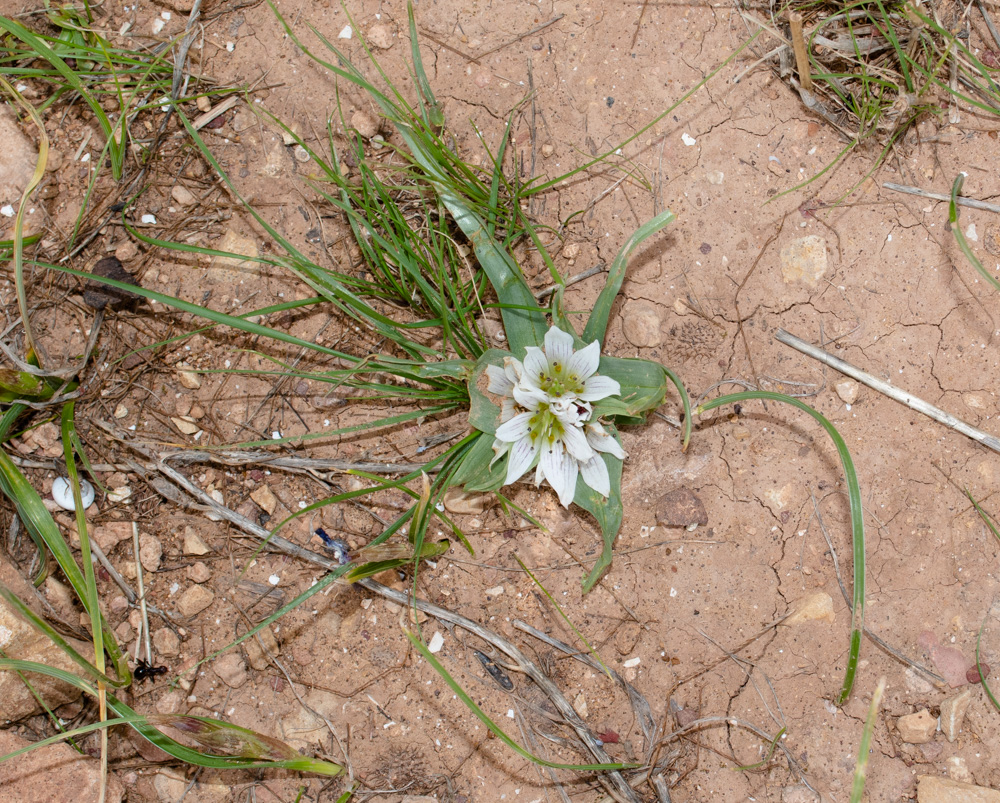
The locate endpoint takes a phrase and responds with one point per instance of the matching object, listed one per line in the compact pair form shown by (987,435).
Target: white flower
(546,416)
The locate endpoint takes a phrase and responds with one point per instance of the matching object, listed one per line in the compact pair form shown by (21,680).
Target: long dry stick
(902,396)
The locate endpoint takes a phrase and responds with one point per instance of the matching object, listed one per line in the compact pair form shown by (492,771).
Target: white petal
(515,429)
(529,397)
(595,474)
(507,409)
(585,361)
(602,441)
(513,368)
(600,387)
(521,456)
(500,383)
(535,365)
(561,471)
(576,444)
(500,448)
(558,347)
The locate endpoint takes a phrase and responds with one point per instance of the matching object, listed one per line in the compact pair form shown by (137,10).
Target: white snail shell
(62,493)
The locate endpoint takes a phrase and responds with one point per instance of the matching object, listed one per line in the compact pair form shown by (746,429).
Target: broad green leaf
(607,511)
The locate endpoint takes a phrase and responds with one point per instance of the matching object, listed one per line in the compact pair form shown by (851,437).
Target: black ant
(144,670)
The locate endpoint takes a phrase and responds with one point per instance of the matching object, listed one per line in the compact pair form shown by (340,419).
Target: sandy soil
(683,615)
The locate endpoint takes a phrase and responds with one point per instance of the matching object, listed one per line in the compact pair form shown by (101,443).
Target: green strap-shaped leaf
(597,325)
(477,471)
(607,511)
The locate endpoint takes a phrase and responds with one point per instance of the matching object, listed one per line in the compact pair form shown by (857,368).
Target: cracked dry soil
(897,300)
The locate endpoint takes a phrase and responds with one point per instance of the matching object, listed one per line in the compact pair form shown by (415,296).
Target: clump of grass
(872,68)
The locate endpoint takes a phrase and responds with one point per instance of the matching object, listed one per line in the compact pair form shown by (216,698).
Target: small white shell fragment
(346,32)
(7,210)
(436,642)
(687,139)
(971,233)
(274,579)
(631,662)
(147,218)
(62,493)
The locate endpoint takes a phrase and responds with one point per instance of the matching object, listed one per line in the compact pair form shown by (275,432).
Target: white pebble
(274,579)
(631,662)
(346,32)
(7,210)
(687,139)
(62,493)
(147,218)
(437,642)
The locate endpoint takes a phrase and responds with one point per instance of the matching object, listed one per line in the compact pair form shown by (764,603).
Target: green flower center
(557,381)
(544,427)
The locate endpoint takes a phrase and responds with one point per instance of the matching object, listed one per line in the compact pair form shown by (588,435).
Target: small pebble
(641,324)
(185,425)
(380,36)
(436,642)
(687,139)
(183,195)
(918,728)
(365,123)
(150,552)
(166,642)
(193,543)
(198,572)
(346,32)
(972,674)
(194,600)
(847,390)
(231,670)
(187,377)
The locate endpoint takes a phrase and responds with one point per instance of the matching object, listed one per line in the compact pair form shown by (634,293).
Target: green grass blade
(44,627)
(963,244)
(90,598)
(34,42)
(770,752)
(69,735)
(562,613)
(45,532)
(857,518)
(979,663)
(864,750)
